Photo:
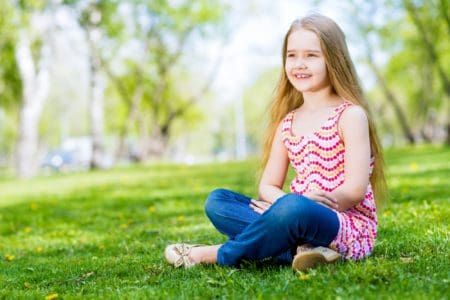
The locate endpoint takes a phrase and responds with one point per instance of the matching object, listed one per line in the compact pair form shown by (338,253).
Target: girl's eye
(311,55)
(290,55)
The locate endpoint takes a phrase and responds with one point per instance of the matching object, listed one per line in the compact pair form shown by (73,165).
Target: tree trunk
(34,94)
(425,118)
(447,140)
(406,129)
(96,89)
(158,143)
(143,138)
(131,118)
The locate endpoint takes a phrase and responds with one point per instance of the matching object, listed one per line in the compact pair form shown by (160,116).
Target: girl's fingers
(326,201)
(329,197)
(315,195)
(264,204)
(257,209)
(253,203)
(331,204)
(259,206)
(320,197)
(253,206)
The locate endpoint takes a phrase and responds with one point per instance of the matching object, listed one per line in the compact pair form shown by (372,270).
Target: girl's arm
(354,130)
(272,180)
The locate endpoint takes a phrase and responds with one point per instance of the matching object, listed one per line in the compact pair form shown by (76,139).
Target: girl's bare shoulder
(354,115)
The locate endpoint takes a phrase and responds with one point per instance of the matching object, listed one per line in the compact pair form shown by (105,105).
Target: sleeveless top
(318,161)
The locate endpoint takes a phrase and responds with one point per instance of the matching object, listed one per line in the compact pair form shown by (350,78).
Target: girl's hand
(259,206)
(323,198)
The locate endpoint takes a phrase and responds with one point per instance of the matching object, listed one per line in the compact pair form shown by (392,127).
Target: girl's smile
(302,76)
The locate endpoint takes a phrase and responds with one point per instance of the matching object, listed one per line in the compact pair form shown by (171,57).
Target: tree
(411,73)
(423,14)
(99,22)
(417,65)
(10,81)
(33,56)
(363,16)
(150,85)
(172,28)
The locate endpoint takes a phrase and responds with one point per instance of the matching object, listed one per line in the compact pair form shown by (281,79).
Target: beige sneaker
(311,257)
(178,255)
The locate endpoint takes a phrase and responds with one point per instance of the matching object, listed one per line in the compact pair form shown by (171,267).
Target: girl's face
(305,64)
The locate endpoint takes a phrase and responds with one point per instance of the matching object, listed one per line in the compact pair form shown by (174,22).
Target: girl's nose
(300,64)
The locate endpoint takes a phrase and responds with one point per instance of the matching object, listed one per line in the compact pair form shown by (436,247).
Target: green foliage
(31,5)
(102,234)
(10,82)
(184,14)
(171,89)
(387,33)
(410,71)
(256,99)
(8,132)
(100,14)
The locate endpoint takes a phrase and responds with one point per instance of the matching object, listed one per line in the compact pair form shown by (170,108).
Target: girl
(321,126)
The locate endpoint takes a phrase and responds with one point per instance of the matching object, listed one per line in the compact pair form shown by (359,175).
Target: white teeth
(302,76)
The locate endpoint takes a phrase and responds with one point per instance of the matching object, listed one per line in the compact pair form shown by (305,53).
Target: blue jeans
(291,221)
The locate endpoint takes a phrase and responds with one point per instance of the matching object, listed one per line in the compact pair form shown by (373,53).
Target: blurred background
(95,84)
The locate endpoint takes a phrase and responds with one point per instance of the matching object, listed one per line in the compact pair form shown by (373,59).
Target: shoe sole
(317,256)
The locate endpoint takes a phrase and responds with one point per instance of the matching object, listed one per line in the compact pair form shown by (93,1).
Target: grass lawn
(102,235)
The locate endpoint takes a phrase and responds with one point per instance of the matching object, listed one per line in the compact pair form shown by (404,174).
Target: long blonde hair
(344,81)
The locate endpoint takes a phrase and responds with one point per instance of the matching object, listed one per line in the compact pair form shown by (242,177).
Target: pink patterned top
(318,160)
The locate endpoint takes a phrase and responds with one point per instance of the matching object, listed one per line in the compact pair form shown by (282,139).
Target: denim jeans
(290,221)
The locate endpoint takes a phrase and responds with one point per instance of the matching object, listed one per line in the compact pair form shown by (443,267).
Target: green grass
(102,234)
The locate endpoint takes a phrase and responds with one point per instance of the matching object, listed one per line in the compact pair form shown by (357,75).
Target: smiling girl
(320,125)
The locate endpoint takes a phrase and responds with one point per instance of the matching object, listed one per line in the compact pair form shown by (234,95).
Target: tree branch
(428,44)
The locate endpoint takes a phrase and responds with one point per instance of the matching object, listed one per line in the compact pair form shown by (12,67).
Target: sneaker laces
(183,251)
